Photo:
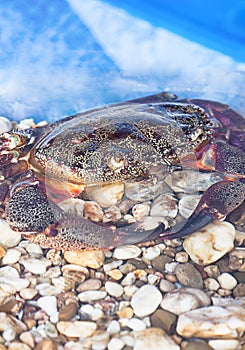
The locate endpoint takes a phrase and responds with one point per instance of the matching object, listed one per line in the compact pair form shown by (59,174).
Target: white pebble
(114,289)
(115,344)
(151,253)
(8,237)
(226,344)
(129,279)
(210,243)
(153,339)
(36,266)
(126,252)
(92,295)
(184,299)
(140,210)
(112,265)
(48,304)
(11,257)
(227,281)
(146,300)
(136,325)
(211,283)
(77,329)
(113,327)
(212,322)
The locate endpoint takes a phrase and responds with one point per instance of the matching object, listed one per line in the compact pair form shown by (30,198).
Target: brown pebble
(2,252)
(46,344)
(68,312)
(223,265)
(189,276)
(163,319)
(239,290)
(196,345)
(159,262)
(239,276)
(90,284)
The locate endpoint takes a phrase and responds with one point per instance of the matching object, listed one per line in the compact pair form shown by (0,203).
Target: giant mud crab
(149,137)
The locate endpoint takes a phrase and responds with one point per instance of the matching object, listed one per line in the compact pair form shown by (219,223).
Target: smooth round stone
(106,195)
(163,319)
(113,327)
(77,329)
(115,344)
(9,272)
(152,339)
(227,344)
(8,237)
(48,304)
(166,286)
(227,281)
(92,295)
(36,266)
(15,345)
(46,289)
(151,253)
(146,300)
(12,256)
(114,289)
(184,299)
(28,293)
(210,243)
(126,252)
(189,276)
(227,322)
(136,325)
(93,259)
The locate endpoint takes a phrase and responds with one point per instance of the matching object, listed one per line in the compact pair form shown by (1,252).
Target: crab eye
(116,161)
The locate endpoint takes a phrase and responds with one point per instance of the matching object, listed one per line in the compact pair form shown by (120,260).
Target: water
(61,57)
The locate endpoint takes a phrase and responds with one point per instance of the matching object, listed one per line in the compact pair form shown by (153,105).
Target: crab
(158,134)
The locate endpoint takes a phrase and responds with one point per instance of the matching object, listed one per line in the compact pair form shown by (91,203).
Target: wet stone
(8,237)
(184,299)
(76,329)
(146,300)
(93,259)
(239,290)
(152,339)
(163,319)
(160,262)
(189,276)
(126,252)
(196,345)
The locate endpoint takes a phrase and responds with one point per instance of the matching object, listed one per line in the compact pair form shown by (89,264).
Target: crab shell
(114,144)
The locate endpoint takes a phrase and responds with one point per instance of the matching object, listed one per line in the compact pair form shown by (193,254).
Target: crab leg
(216,203)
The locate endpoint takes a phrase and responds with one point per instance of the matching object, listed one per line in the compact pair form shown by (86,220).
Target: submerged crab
(139,139)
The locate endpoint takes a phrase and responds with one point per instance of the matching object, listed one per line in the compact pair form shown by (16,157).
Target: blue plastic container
(219,25)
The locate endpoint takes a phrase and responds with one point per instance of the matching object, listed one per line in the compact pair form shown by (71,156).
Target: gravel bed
(176,294)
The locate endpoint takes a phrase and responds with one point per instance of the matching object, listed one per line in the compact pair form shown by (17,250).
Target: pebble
(18,346)
(151,253)
(181,257)
(146,300)
(166,286)
(140,210)
(77,329)
(115,274)
(127,312)
(188,275)
(196,345)
(227,344)
(164,205)
(106,195)
(92,295)
(225,322)
(48,304)
(227,281)
(187,205)
(159,262)
(114,289)
(34,265)
(163,319)
(115,344)
(152,339)
(28,293)
(112,265)
(93,259)
(126,252)
(113,327)
(8,237)
(93,211)
(184,299)
(210,243)
(239,290)
(46,344)
(11,257)
(90,284)
(211,284)
(136,325)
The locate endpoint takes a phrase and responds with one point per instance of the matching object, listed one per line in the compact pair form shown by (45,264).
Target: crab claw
(216,203)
